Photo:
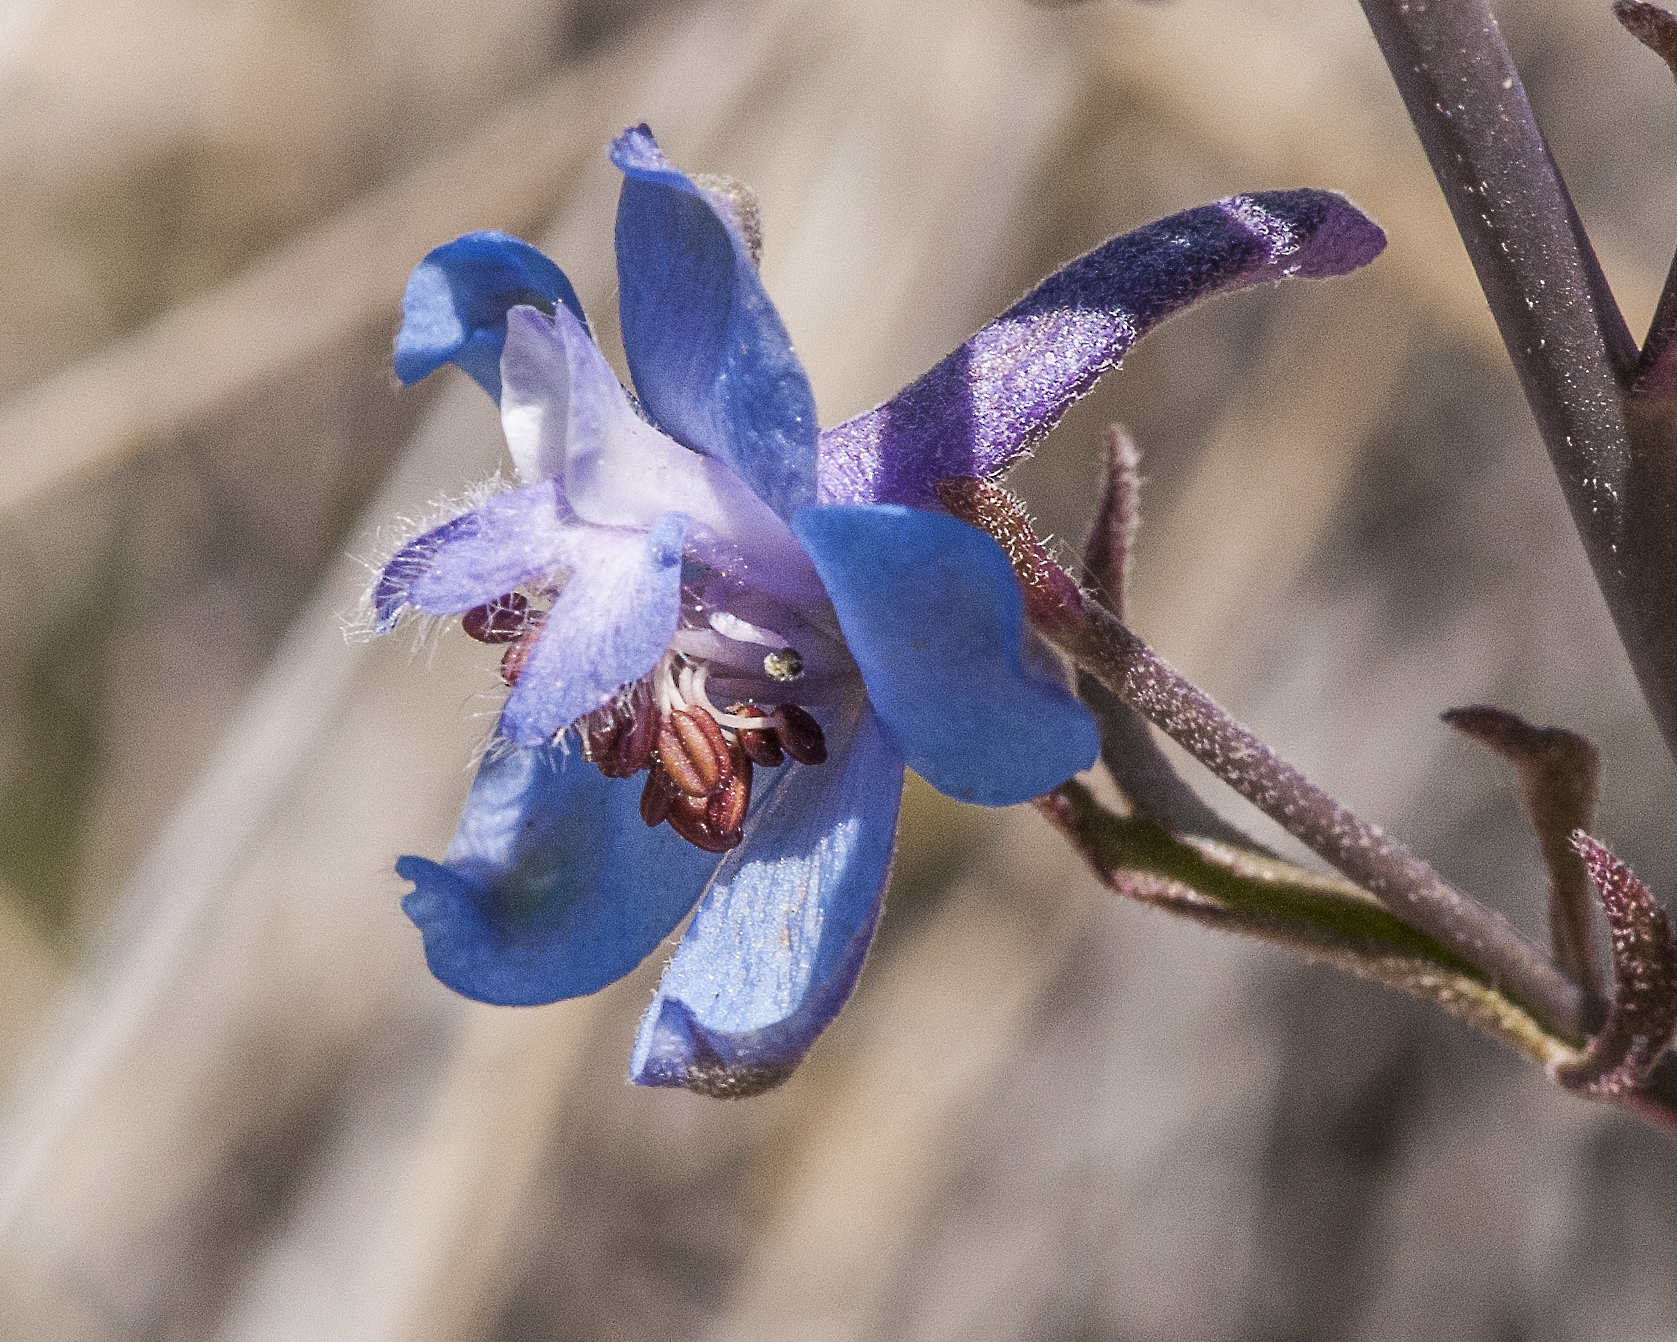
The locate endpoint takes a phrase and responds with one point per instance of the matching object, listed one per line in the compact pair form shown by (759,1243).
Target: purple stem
(1381,865)
(1563,331)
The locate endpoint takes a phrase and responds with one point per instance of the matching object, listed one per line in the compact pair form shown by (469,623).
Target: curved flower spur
(726,632)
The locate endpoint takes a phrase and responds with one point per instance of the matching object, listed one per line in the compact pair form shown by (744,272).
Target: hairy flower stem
(1381,865)
(1563,331)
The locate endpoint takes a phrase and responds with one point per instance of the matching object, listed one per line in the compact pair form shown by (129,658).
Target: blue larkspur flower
(766,620)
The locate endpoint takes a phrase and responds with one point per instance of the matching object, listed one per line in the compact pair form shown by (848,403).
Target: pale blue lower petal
(552,887)
(933,616)
(608,628)
(776,946)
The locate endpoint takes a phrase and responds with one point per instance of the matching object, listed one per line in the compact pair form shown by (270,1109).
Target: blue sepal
(710,357)
(934,618)
(455,307)
(552,887)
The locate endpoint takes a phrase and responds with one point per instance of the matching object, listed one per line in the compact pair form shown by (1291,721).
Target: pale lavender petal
(608,628)
(528,535)
(565,413)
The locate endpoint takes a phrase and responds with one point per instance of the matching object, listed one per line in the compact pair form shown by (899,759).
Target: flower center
(699,758)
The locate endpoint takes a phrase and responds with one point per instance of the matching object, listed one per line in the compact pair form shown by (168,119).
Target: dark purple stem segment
(1133,757)
(1569,344)
(1644,1013)
(1107,552)
(1381,865)
(1558,772)
(1653,27)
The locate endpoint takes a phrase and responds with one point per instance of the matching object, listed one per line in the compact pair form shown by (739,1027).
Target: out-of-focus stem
(1558,771)
(1563,331)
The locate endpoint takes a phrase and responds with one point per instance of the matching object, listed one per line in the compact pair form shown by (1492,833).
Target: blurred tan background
(238,1108)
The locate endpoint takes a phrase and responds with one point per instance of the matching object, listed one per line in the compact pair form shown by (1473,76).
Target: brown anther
(499,621)
(726,812)
(657,797)
(690,818)
(761,747)
(619,738)
(599,732)
(639,739)
(694,751)
(800,735)
(517,653)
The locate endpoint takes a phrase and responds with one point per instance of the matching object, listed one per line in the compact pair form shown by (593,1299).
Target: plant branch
(1376,862)
(1558,319)
(1131,754)
(1326,918)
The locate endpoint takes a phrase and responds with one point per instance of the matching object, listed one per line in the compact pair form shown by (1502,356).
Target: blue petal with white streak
(709,354)
(779,939)
(455,307)
(933,616)
(552,887)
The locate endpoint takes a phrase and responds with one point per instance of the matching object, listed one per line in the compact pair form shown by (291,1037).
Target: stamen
(736,721)
(657,797)
(502,620)
(694,752)
(699,699)
(760,743)
(637,744)
(519,650)
(800,735)
(727,809)
(669,698)
(690,818)
(599,732)
(619,739)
